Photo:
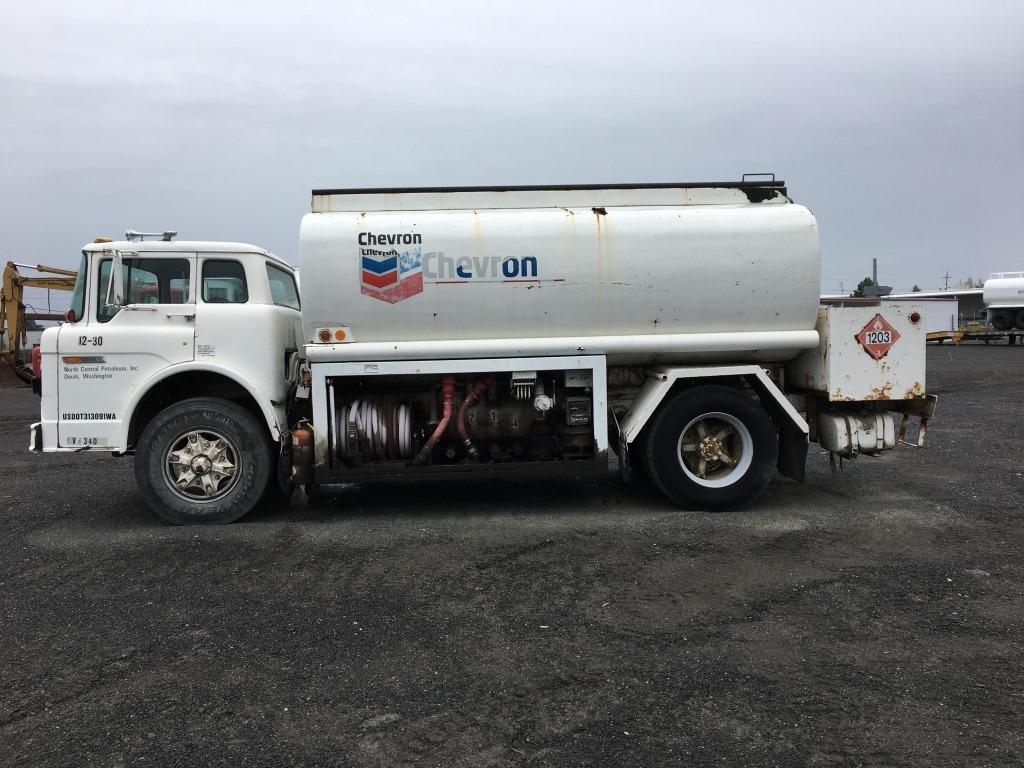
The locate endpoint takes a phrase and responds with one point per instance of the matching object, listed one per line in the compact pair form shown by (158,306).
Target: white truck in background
(506,331)
(1004,300)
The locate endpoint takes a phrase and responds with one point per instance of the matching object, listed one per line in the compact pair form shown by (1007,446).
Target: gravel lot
(875,619)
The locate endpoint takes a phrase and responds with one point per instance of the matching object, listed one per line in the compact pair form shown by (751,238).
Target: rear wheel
(203,460)
(1020,320)
(1002,319)
(711,447)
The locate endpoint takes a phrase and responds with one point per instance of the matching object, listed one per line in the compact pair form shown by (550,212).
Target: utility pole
(947,280)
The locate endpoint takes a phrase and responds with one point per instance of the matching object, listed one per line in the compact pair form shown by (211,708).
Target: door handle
(188,314)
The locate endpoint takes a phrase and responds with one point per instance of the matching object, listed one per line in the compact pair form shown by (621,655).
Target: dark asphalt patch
(871,620)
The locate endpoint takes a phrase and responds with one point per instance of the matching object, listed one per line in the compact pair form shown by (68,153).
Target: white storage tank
(1004,289)
(1004,299)
(637,272)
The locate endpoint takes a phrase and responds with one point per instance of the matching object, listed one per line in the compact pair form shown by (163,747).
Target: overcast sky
(900,124)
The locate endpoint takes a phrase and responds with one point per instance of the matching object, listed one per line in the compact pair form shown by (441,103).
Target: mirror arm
(115,284)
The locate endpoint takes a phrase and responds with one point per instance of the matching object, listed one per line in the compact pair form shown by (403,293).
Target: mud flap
(793,445)
(284,468)
(625,468)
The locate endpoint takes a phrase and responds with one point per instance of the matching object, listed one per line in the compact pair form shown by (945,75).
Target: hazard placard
(877,337)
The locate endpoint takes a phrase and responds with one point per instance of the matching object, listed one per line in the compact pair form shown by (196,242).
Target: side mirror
(115,284)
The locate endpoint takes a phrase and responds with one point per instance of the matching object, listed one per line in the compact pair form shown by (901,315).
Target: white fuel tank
(642,273)
(1004,289)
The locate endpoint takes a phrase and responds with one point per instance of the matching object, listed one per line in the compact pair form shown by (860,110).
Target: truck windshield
(78,297)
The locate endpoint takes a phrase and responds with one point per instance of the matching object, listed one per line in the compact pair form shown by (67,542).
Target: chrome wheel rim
(201,466)
(715,449)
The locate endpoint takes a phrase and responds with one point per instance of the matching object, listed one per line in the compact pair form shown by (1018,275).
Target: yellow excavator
(14,318)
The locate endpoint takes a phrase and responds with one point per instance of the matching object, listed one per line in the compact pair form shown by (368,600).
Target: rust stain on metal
(902,435)
(915,392)
(883,392)
(838,396)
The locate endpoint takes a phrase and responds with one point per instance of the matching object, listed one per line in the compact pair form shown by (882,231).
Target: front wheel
(711,447)
(203,460)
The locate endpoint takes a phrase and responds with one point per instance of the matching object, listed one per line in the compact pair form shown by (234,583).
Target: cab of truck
(187,321)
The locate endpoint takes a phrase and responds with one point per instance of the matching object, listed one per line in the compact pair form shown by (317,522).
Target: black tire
(1019,323)
(755,453)
(1002,319)
(248,445)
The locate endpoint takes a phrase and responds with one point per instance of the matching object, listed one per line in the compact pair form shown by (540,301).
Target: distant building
(971,305)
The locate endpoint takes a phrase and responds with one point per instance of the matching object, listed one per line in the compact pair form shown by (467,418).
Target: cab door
(106,360)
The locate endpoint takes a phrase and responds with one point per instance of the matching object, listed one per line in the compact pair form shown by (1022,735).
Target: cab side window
(224,282)
(282,287)
(146,281)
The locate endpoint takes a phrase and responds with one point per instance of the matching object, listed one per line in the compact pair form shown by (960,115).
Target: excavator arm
(12,308)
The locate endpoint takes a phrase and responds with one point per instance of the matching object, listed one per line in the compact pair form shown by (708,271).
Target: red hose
(460,424)
(448,393)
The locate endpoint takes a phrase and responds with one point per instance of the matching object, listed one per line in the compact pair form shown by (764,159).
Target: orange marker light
(340,334)
(71,360)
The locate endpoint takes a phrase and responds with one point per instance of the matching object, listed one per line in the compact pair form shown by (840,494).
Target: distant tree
(33,325)
(916,288)
(859,293)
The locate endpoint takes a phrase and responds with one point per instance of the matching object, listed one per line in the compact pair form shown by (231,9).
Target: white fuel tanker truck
(503,331)
(1004,299)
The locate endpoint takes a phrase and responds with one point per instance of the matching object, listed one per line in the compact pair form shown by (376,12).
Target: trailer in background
(976,331)
(957,315)
(1004,301)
